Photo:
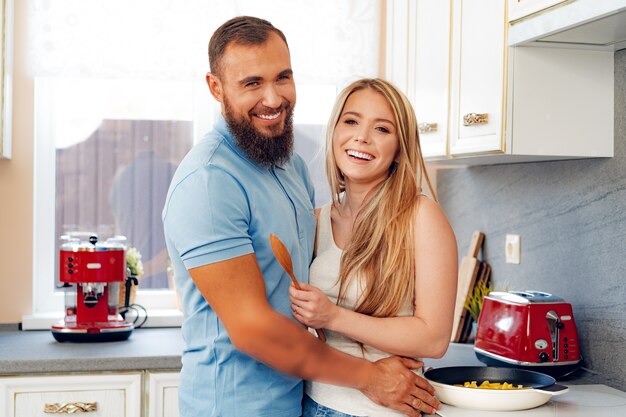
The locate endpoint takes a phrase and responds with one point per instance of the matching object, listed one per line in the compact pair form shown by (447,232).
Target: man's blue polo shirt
(221,205)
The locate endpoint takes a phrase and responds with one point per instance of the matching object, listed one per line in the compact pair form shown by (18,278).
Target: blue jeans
(312,409)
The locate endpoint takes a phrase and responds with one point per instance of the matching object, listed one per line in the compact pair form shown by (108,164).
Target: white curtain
(331,41)
(138,60)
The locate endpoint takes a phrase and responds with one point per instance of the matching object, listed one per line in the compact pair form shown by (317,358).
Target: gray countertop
(37,352)
(27,352)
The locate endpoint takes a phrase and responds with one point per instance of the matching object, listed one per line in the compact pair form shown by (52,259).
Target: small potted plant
(474,302)
(134,271)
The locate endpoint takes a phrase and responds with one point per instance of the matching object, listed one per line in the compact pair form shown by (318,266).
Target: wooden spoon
(284,259)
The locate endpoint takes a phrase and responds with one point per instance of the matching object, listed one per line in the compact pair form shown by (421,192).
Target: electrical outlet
(513,249)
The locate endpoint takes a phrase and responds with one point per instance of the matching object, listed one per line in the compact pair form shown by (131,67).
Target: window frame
(48,303)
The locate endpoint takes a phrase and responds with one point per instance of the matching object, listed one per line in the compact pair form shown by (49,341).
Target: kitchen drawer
(102,395)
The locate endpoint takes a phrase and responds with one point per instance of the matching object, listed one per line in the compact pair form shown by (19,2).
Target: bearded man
(245,354)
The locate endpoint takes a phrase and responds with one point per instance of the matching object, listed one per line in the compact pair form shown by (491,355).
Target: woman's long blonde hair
(381,250)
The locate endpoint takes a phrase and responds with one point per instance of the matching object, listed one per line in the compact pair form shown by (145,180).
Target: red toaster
(531,330)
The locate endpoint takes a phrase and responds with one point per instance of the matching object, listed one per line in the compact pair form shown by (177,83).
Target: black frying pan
(459,374)
(539,388)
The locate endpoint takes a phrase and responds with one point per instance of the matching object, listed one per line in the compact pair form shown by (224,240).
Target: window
(117,105)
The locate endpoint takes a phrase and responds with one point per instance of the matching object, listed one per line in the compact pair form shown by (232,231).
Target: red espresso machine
(92,273)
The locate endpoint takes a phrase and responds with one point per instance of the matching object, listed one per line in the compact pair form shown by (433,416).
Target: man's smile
(269,116)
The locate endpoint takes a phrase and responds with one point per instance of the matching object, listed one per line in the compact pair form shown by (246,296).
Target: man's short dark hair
(241,30)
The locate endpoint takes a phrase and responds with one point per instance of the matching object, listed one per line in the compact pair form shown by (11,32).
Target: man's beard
(264,150)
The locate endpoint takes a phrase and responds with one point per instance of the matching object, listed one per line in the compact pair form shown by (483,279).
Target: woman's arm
(427,332)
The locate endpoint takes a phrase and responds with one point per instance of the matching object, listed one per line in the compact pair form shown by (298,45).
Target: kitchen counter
(26,352)
(36,352)
(159,349)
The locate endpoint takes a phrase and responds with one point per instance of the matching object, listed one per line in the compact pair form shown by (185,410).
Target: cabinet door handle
(472,119)
(70,408)
(427,127)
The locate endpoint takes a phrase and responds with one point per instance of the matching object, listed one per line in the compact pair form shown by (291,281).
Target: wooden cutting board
(464,330)
(468,271)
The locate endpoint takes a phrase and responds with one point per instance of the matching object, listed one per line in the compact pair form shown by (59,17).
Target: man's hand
(393,385)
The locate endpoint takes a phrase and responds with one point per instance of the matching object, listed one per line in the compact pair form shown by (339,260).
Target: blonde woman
(383,281)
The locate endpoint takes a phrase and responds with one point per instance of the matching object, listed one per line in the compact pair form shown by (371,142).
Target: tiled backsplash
(571,216)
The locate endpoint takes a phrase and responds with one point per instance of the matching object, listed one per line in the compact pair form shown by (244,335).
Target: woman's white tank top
(324,273)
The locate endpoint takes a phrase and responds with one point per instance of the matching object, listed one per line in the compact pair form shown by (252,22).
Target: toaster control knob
(559,325)
(543,357)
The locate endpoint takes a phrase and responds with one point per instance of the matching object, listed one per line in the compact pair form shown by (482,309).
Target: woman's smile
(360,156)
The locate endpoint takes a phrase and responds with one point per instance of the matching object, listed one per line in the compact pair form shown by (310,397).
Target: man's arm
(236,291)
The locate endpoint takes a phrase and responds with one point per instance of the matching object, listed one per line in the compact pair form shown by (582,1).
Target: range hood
(586,24)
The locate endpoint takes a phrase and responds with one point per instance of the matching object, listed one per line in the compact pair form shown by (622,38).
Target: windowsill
(156,318)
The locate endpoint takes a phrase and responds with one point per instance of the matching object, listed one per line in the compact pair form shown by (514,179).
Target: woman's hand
(312,307)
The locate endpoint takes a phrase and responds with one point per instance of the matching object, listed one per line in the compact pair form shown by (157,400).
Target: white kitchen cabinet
(162,394)
(101,395)
(522,8)
(508,104)
(96,395)
(478,76)
(418,62)
(429,73)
